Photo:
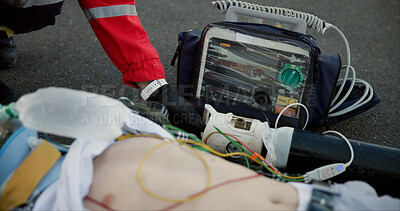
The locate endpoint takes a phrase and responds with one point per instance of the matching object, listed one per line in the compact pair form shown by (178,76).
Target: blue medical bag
(267,68)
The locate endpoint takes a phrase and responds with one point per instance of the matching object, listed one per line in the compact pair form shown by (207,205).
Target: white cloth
(304,193)
(353,195)
(76,175)
(358,195)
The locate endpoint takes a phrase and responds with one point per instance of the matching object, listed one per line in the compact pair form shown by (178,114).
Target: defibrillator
(259,67)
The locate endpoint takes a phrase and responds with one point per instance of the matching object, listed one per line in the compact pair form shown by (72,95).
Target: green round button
(290,77)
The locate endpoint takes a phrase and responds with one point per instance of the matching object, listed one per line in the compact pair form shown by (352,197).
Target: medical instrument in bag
(233,8)
(249,130)
(298,151)
(258,136)
(250,66)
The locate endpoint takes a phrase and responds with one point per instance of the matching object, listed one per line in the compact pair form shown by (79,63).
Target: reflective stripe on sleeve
(110,11)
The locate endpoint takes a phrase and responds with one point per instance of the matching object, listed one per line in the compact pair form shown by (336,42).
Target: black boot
(181,113)
(6,94)
(8,53)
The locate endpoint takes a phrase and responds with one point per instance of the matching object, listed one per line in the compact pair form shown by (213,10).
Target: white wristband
(152,87)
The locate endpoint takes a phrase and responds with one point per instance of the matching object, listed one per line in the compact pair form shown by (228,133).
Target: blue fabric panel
(187,61)
(355,95)
(329,66)
(14,151)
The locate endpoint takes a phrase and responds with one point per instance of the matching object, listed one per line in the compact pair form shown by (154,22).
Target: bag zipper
(181,38)
(178,48)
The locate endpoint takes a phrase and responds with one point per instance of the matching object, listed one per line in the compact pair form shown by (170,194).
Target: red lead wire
(105,206)
(179,203)
(214,187)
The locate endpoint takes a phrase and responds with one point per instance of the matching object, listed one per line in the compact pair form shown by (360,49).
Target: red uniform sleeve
(118,28)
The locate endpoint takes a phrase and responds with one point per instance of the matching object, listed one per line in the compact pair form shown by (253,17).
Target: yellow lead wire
(233,154)
(145,189)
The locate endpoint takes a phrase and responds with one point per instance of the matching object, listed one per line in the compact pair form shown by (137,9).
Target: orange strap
(28,175)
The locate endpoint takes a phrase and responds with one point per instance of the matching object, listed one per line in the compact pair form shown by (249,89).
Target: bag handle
(233,12)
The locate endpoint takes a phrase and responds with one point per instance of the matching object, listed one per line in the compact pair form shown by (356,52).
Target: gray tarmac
(69,55)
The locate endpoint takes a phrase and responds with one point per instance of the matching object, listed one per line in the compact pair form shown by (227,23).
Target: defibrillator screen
(263,74)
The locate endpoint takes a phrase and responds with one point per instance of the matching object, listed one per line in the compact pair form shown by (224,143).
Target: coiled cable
(320,25)
(312,21)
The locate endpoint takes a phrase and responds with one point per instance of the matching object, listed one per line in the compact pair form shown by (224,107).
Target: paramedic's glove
(181,113)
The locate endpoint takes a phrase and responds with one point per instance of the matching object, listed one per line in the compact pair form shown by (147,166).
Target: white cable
(293,104)
(360,102)
(331,170)
(347,142)
(348,67)
(353,81)
(320,25)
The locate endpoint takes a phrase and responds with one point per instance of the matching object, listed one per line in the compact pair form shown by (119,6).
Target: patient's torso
(176,172)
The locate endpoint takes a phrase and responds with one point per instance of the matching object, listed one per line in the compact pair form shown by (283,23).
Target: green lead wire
(237,145)
(168,128)
(169,131)
(171,127)
(250,153)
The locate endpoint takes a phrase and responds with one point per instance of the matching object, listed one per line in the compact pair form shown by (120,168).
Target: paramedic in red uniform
(118,28)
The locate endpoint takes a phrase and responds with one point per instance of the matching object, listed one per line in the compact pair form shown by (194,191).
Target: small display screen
(268,77)
(248,19)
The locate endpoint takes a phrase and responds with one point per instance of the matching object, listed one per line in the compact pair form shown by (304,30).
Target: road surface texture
(69,55)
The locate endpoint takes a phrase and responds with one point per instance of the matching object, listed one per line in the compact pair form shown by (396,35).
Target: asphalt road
(69,55)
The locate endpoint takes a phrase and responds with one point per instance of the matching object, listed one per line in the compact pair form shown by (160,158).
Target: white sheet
(76,175)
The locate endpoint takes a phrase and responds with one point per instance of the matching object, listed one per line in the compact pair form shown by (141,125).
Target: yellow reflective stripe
(8,31)
(110,11)
(28,175)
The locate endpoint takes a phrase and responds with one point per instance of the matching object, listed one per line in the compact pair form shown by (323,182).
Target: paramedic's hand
(181,113)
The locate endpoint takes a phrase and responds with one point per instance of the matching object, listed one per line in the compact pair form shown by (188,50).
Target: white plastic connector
(326,172)
(249,131)
(34,142)
(332,170)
